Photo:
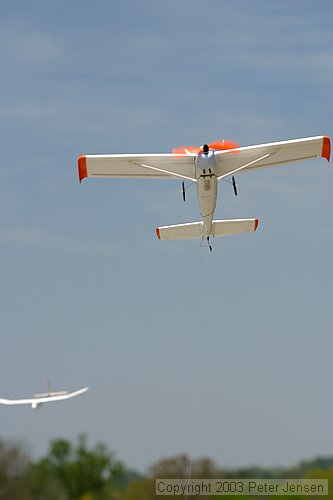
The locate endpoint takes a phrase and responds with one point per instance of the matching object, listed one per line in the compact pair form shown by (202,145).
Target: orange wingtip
(256,224)
(158,233)
(326,151)
(82,161)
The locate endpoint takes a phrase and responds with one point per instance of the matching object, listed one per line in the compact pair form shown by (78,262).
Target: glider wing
(45,399)
(4,401)
(62,396)
(272,154)
(146,166)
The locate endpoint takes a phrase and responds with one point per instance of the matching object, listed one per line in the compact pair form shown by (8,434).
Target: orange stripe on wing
(158,233)
(82,162)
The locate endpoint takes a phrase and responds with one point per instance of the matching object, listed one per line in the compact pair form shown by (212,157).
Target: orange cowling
(217,145)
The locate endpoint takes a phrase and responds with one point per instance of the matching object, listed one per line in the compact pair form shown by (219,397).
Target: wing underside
(166,166)
(147,166)
(269,155)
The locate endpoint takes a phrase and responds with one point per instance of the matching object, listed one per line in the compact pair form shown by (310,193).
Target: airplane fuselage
(206,176)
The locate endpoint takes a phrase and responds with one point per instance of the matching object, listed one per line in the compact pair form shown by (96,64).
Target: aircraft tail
(194,230)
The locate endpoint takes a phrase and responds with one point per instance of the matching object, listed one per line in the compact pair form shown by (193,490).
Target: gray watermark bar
(266,487)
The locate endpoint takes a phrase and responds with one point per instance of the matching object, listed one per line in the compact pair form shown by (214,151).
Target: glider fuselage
(206,176)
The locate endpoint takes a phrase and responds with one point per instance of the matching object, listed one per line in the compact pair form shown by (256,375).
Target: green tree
(14,471)
(180,466)
(77,471)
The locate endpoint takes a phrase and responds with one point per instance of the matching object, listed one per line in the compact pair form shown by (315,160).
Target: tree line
(75,471)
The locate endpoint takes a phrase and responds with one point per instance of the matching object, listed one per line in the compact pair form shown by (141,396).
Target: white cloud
(21,44)
(41,238)
(37,47)
(316,65)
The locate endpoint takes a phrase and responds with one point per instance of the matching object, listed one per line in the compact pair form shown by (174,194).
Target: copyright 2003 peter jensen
(266,487)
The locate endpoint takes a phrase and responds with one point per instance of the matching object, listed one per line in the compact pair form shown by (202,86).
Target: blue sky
(90,296)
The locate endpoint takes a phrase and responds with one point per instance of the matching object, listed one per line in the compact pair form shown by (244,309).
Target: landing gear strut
(205,242)
(234,185)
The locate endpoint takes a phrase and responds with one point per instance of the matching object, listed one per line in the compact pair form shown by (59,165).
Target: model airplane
(38,399)
(205,166)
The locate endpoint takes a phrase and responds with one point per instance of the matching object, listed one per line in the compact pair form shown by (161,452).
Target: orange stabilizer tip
(158,233)
(82,162)
(326,151)
(256,224)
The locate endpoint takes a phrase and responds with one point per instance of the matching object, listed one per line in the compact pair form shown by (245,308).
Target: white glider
(205,166)
(39,399)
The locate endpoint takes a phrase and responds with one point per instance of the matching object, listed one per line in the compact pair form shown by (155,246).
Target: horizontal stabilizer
(190,231)
(234,226)
(194,230)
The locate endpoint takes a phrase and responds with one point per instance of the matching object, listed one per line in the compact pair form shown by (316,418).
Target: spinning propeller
(217,146)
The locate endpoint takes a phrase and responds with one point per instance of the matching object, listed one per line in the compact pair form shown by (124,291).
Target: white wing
(271,154)
(17,401)
(166,166)
(37,401)
(146,166)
